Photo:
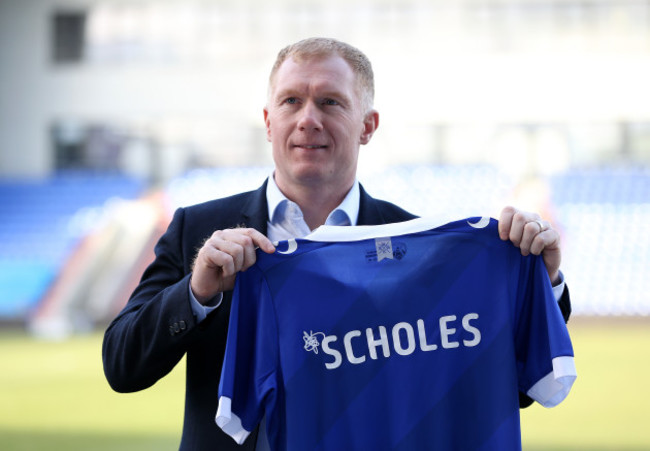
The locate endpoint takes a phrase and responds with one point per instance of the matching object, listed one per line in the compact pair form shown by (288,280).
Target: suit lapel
(369,213)
(255,211)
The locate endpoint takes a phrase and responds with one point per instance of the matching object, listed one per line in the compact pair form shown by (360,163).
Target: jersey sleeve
(248,376)
(545,359)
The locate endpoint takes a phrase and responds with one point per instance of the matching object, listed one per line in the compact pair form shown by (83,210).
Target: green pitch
(54,396)
(608,406)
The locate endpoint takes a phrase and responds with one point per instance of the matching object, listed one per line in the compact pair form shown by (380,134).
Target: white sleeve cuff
(201,311)
(555,386)
(229,422)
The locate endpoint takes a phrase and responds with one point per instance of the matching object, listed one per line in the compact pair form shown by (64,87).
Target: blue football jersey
(396,337)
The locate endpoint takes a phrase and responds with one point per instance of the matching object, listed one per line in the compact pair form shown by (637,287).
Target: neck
(316,203)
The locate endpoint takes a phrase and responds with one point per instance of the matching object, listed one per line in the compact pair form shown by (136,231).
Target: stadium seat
(42,222)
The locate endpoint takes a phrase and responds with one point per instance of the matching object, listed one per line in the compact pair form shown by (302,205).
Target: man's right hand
(222,256)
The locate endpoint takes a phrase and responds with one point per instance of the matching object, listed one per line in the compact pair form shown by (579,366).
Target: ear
(267,122)
(370,124)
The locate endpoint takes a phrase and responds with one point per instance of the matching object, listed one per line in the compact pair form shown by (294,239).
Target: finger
(521,231)
(249,257)
(505,222)
(247,237)
(547,244)
(261,241)
(213,272)
(241,244)
(517,228)
(238,245)
(549,239)
(531,231)
(249,240)
(226,256)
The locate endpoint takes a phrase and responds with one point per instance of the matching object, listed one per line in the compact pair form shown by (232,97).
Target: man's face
(316,124)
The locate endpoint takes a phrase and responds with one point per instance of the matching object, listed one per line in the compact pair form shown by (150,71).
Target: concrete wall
(449,76)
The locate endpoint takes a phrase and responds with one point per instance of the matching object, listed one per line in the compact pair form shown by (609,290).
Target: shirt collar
(346,213)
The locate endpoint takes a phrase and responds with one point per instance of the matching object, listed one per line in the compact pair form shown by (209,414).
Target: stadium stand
(42,223)
(76,243)
(606,216)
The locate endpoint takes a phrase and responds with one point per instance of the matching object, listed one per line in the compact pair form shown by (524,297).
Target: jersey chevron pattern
(396,337)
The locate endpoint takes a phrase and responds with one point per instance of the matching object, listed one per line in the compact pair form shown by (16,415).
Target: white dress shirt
(286,220)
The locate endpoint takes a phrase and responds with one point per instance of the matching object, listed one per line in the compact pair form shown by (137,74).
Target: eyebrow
(329,94)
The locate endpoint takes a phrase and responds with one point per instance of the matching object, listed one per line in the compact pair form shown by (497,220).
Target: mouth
(310,146)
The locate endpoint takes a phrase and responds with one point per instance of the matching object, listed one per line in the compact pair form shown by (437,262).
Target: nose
(310,118)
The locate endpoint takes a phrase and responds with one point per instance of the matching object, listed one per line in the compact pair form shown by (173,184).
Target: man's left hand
(532,235)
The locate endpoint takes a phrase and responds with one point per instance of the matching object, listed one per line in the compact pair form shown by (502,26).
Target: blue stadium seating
(604,216)
(41,222)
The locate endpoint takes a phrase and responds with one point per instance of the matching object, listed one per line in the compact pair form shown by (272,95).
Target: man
(319,113)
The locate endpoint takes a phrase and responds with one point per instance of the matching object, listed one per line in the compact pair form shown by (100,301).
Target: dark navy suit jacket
(157,328)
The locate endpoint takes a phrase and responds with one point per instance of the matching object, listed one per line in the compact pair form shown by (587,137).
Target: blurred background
(115,112)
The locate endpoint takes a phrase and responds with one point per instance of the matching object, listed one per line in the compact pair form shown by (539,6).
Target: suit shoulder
(390,213)
(395,211)
(222,204)
(376,211)
(243,209)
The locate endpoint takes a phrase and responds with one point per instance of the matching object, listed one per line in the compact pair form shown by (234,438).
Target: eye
(291,101)
(330,102)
